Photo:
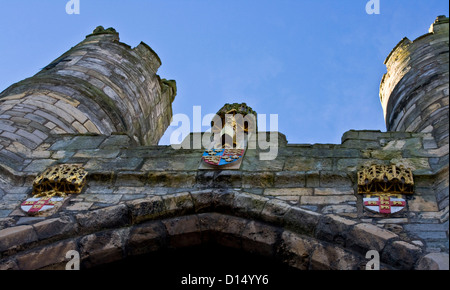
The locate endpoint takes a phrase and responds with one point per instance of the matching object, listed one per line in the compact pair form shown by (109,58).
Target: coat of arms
(50,189)
(384,203)
(231,127)
(39,205)
(221,157)
(384,188)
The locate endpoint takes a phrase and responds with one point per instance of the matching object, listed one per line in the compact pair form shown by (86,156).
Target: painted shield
(219,157)
(384,204)
(38,205)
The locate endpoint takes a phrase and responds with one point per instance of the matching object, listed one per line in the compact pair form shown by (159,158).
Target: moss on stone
(101,30)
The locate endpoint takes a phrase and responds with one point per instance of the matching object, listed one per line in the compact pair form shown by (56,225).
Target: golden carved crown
(59,180)
(388,179)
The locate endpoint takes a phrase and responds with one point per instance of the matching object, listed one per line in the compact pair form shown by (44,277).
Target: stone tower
(415,97)
(415,90)
(99,86)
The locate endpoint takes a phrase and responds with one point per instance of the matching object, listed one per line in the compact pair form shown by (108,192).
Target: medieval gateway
(84,184)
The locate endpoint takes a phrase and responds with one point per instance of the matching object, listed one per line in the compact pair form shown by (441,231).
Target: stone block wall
(308,190)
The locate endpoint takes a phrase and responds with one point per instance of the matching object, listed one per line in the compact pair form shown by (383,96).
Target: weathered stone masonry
(301,208)
(414,91)
(99,86)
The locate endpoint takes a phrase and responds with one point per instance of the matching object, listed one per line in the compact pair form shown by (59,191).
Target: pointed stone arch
(231,218)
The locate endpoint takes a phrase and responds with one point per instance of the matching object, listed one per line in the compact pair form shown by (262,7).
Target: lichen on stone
(101,30)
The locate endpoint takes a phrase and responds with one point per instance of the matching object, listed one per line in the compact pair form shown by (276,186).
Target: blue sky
(316,63)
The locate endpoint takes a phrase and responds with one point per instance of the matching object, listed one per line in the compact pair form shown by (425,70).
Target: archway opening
(194,265)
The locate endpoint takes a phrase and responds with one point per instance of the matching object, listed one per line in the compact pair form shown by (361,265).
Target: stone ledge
(55,254)
(365,237)
(15,238)
(434,261)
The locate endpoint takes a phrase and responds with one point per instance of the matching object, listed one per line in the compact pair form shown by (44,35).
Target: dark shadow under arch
(233,267)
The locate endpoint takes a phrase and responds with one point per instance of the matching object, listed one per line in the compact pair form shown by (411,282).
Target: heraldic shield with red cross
(385,204)
(384,187)
(219,157)
(37,205)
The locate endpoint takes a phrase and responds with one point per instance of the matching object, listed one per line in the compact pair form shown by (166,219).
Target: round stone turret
(99,86)
(414,92)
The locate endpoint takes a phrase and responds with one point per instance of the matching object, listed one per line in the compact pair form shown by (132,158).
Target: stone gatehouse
(102,107)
